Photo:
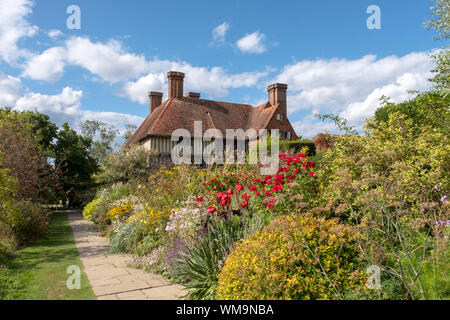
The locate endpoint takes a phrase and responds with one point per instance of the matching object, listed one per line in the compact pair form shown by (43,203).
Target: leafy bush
(298,146)
(295,257)
(393,185)
(90,208)
(99,214)
(202,262)
(33,222)
(124,237)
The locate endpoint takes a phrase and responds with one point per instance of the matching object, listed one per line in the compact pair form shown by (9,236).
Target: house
(180,111)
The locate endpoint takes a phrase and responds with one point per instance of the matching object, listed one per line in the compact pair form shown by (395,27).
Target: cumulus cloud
(13,27)
(106,60)
(352,88)
(65,106)
(214,81)
(48,66)
(219,33)
(252,43)
(10,88)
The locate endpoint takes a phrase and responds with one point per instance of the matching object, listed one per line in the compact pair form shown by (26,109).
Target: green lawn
(38,272)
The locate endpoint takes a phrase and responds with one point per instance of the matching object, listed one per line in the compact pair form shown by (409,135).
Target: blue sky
(229,50)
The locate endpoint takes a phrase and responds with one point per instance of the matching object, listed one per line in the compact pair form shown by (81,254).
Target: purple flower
(444,199)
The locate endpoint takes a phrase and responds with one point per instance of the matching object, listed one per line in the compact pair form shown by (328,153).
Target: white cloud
(10,88)
(108,61)
(48,66)
(13,27)
(66,103)
(55,33)
(62,107)
(252,43)
(214,81)
(219,33)
(138,91)
(352,88)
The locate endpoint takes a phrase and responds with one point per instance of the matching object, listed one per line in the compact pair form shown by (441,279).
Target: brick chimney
(175,84)
(155,100)
(277,95)
(193,95)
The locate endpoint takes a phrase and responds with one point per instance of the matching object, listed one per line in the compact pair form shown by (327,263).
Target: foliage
(102,135)
(43,130)
(90,207)
(339,122)
(298,146)
(426,110)
(33,221)
(72,153)
(440,18)
(295,257)
(202,262)
(393,185)
(124,165)
(23,156)
(441,73)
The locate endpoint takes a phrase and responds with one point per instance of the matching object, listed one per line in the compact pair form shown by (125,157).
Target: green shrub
(201,264)
(298,145)
(295,257)
(124,237)
(99,214)
(33,222)
(90,208)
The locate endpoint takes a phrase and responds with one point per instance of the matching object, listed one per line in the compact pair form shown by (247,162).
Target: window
(285,135)
(279,117)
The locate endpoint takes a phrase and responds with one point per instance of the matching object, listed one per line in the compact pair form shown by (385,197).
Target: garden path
(109,275)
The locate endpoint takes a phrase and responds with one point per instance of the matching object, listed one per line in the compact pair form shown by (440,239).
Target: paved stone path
(109,275)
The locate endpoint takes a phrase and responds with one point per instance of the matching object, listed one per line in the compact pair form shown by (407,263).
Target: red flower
(311,174)
(277,188)
(245,196)
(239,187)
(211,210)
(199,200)
(253,188)
(244,204)
(268,194)
(282,156)
(230,192)
(269,205)
(301,155)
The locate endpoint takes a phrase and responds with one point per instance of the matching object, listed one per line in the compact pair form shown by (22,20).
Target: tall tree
(102,136)
(73,155)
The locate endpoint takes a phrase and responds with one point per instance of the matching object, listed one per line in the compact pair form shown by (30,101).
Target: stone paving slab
(109,275)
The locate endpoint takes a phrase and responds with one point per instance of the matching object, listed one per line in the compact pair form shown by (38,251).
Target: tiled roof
(180,113)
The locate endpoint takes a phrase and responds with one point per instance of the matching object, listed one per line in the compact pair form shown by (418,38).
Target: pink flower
(311,174)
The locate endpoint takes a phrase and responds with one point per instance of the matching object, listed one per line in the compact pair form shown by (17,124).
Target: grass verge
(38,272)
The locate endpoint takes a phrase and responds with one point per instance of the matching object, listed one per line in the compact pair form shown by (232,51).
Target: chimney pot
(155,100)
(176,80)
(194,95)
